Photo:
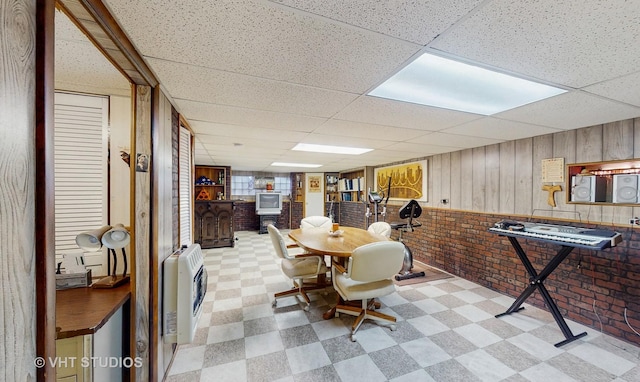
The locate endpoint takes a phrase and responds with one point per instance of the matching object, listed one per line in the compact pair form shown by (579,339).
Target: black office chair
(411,210)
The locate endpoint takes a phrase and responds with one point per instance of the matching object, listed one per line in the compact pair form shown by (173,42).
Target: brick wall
(352,214)
(245,218)
(297,213)
(459,242)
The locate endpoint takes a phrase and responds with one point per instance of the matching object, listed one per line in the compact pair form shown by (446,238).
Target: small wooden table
(318,241)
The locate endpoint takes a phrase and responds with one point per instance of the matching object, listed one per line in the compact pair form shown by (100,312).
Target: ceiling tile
(571,110)
(215,86)
(269,74)
(261,39)
(497,129)
(453,142)
(342,128)
(88,72)
(575,43)
(620,89)
(402,114)
(202,129)
(233,115)
(416,21)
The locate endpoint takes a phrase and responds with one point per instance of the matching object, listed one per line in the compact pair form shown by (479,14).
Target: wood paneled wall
(506,178)
(163,225)
(26,212)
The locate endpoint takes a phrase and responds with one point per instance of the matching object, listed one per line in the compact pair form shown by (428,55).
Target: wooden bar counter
(81,311)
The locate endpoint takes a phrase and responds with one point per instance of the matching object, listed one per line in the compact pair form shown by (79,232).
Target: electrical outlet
(634,221)
(444,201)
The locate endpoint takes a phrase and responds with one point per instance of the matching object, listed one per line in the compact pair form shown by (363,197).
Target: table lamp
(116,237)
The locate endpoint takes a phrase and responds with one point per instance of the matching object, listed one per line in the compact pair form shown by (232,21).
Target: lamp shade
(116,237)
(92,240)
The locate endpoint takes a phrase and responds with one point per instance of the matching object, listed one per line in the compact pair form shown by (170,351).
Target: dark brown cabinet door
(213,224)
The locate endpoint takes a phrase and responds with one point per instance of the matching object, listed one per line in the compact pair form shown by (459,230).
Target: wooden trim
(45,283)
(141,223)
(185,123)
(95,21)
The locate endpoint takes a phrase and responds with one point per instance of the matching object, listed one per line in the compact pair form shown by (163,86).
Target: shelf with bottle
(331,187)
(210,183)
(298,187)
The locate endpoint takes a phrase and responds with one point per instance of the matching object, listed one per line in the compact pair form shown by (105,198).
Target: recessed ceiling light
(330,149)
(285,164)
(441,82)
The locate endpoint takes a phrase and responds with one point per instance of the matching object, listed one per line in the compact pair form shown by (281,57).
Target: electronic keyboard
(596,239)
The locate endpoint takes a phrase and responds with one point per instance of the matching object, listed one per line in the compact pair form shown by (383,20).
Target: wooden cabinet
(72,351)
(353,184)
(91,330)
(210,183)
(213,223)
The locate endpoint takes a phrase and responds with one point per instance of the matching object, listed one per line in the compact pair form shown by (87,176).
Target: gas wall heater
(184,288)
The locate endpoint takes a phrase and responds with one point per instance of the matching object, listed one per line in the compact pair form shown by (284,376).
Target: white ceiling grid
(256,77)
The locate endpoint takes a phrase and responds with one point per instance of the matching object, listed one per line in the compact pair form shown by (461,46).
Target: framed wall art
(408,181)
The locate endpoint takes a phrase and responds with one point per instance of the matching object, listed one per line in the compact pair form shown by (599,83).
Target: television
(268,203)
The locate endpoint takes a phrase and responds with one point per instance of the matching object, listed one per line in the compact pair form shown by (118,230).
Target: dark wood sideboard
(213,223)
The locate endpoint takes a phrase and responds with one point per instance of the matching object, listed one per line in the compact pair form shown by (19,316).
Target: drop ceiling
(254,78)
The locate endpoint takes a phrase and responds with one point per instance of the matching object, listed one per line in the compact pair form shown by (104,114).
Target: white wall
(119,172)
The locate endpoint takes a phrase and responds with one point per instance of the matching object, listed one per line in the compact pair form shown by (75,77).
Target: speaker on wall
(588,188)
(625,188)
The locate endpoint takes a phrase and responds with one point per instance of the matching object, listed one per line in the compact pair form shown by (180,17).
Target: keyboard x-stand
(568,238)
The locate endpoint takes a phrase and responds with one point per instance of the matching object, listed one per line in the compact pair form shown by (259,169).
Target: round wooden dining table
(319,241)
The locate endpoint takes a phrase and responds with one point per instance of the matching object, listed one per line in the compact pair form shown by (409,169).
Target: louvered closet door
(186,191)
(80,136)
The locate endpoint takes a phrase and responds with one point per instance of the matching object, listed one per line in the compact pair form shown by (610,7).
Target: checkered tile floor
(446,331)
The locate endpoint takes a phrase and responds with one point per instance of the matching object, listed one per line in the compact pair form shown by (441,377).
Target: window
(243,182)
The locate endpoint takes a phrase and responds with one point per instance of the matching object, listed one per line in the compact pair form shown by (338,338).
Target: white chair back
(278,242)
(316,221)
(380,228)
(376,261)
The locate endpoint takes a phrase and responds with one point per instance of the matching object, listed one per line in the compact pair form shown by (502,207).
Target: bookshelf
(331,182)
(353,184)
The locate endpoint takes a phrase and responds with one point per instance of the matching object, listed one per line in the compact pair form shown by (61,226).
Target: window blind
(186,190)
(80,168)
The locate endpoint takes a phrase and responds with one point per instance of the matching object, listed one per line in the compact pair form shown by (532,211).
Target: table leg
(536,281)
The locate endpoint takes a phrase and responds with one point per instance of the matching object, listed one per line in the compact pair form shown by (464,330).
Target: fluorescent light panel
(285,164)
(441,82)
(330,149)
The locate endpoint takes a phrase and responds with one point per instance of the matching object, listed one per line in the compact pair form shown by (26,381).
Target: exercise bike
(376,199)
(411,210)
